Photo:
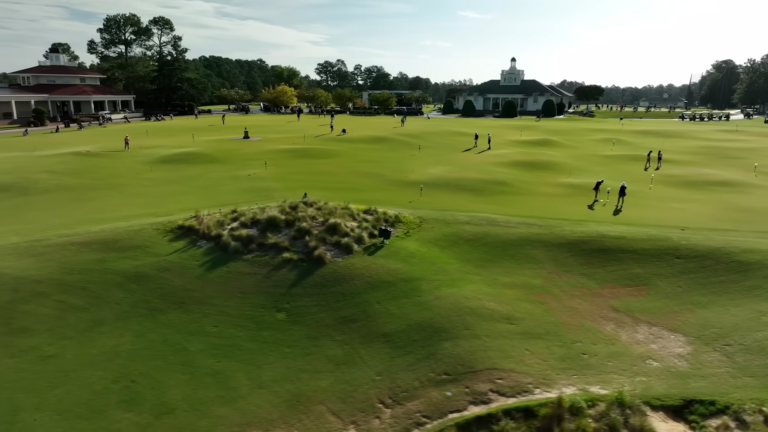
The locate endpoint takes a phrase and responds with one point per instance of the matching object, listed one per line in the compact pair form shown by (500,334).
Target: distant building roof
(658,100)
(526,87)
(74,90)
(57,70)
(15,91)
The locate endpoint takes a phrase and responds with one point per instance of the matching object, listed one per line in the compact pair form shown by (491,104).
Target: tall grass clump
(315,230)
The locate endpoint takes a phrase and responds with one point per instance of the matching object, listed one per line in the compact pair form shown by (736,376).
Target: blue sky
(597,41)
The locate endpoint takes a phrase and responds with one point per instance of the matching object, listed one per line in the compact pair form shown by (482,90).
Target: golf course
(512,280)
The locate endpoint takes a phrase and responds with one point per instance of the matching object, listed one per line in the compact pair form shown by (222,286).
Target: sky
(606,42)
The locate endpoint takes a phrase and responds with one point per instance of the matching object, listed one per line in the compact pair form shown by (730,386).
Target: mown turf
(110,322)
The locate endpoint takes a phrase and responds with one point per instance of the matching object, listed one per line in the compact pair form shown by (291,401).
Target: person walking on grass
(476,138)
(489,141)
(648,159)
(597,189)
(402,122)
(127,146)
(658,160)
(331,124)
(622,194)
(223,116)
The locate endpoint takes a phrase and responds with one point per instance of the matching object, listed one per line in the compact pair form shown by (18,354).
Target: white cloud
(471,14)
(436,43)
(208,29)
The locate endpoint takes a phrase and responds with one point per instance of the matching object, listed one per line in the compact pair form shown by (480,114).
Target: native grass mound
(595,412)
(306,229)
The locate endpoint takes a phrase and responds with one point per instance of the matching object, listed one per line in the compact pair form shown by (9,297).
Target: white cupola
(513,75)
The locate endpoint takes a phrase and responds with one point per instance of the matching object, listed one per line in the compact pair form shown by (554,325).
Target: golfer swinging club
(597,188)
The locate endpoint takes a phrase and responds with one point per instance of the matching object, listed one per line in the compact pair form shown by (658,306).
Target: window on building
(82,80)
(535,98)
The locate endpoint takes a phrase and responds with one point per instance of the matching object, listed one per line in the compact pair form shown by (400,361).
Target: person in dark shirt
(658,160)
(597,188)
(489,141)
(476,138)
(648,159)
(622,194)
(223,116)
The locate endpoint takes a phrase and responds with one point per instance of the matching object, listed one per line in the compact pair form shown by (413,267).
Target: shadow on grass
(617,211)
(467,150)
(213,257)
(483,151)
(373,248)
(302,270)
(591,206)
(318,136)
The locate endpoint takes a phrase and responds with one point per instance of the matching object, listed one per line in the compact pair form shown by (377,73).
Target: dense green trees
(588,93)
(384,100)
(560,108)
(719,84)
(509,109)
(468,110)
(448,107)
(548,109)
(40,115)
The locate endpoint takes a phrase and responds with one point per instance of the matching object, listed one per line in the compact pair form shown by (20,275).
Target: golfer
(127,141)
(331,123)
(658,160)
(597,188)
(648,159)
(489,141)
(622,194)
(402,122)
(477,137)
(222,118)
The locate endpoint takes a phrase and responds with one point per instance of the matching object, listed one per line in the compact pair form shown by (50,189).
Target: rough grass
(111,322)
(308,228)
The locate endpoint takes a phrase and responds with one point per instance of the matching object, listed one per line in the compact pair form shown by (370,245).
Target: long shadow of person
(617,210)
(658,168)
(591,206)
(481,152)
(646,167)
(469,149)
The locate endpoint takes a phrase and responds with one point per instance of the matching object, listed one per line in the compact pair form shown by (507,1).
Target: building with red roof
(62,88)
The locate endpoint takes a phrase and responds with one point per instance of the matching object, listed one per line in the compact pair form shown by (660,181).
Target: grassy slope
(127,328)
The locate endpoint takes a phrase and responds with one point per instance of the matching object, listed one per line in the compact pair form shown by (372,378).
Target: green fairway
(110,321)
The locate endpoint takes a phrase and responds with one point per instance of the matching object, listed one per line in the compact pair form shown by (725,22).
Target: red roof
(74,90)
(56,70)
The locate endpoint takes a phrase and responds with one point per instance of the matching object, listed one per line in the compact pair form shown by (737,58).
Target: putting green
(110,322)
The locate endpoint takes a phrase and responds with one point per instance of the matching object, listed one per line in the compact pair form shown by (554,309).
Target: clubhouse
(60,87)
(529,94)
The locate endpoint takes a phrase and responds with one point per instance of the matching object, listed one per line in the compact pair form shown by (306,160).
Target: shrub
(560,108)
(509,110)
(40,115)
(448,107)
(548,109)
(468,110)
(33,123)
(322,256)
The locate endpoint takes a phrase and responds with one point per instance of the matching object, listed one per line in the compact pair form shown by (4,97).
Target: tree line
(149,60)
(725,84)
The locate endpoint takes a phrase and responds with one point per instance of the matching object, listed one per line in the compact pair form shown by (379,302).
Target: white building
(663,102)
(62,88)
(527,93)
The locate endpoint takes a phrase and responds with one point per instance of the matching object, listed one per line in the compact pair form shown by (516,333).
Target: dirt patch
(662,423)
(597,307)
